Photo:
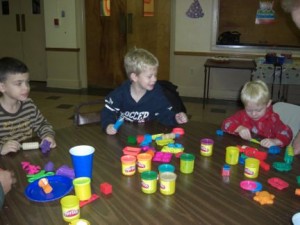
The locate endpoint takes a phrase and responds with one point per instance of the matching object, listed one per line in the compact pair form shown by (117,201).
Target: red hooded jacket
(268,126)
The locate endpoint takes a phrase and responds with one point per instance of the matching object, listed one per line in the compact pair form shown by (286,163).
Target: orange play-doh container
(128,165)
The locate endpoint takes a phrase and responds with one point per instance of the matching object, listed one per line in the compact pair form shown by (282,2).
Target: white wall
(198,36)
(65,44)
(63,35)
(192,34)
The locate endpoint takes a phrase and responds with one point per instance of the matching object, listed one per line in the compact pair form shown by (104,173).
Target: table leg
(204,88)
(207,88)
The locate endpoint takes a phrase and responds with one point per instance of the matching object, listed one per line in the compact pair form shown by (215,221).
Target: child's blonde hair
(255,91)
(137,60)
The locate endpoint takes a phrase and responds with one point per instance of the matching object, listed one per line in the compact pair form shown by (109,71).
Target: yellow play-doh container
(149,182)
(80,222)
(206,148)
(128,165)
(144,162)
(70,208)
(82,186)
(167,183)
(251,167)
(187,163)
(232,155)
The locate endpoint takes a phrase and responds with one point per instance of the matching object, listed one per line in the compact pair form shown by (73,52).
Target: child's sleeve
(166,115)
(40,124)
(230,124)
(110,111)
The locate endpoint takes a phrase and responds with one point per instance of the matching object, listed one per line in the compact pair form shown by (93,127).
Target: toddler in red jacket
(257,118)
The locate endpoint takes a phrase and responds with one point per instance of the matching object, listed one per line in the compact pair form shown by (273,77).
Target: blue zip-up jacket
(152,106)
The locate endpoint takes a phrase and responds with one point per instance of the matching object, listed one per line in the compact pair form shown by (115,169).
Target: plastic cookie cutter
(251,185)
(39,175)
(265,166)
(282,167)
(128,150)
(30,169)
(44,184)
(147,140)
(253,152)
(167,136)
(164,142)
(162,157)
(93,198)
(264,197)
(173,148)
(278,183)
(178,130)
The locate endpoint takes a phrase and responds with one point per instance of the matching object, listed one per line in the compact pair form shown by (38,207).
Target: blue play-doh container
(166,168)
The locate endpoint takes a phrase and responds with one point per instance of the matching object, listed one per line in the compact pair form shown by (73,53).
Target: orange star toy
(264,197)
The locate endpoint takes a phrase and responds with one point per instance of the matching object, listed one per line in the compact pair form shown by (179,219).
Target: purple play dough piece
(49,167)
(45,146)
(65,171)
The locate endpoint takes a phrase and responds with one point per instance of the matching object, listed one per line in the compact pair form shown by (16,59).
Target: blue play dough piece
(119,123)
(274,150)
(219,132)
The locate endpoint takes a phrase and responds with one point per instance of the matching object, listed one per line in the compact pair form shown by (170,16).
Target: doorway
(23,36)
(108,38)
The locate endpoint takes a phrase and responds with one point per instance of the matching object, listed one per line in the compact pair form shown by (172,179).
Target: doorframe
(81,28)
(81,33)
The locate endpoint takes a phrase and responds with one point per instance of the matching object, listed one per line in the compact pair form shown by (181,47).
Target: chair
(87,112)
(289,114)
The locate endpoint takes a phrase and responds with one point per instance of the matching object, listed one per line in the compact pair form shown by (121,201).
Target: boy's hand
(111,130)
(10,146)
(51,140)
(7,179)
(181,118)
(244,132)
(268,142)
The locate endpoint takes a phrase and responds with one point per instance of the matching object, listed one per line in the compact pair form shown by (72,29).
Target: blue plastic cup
(82,160)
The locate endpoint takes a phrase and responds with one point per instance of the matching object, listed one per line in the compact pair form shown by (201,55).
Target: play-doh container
(206,147)
(82,186)
(70,208)
(166,168)
(187,163)
(167,183)
(149,182)
(144,162)
(128,165)
(80,222)
(232,155)
(251,167)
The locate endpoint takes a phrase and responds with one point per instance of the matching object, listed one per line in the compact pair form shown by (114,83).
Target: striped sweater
(23,124)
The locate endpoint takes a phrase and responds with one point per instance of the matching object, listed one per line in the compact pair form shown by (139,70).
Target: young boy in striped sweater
(19,116)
